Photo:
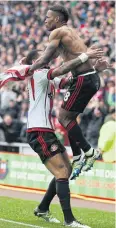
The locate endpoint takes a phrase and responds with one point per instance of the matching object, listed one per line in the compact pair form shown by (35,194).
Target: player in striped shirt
(42,139)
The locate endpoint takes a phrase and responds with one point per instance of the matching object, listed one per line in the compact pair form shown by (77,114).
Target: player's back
(39,88)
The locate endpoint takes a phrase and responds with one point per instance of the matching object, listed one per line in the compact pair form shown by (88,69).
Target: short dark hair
(61,10)
(31,56)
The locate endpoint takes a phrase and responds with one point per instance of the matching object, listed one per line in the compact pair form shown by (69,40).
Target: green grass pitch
(22,211)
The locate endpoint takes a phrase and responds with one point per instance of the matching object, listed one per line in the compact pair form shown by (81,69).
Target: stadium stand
(22,29)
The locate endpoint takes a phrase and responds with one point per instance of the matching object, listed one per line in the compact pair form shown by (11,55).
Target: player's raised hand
(102,64)
(94,53)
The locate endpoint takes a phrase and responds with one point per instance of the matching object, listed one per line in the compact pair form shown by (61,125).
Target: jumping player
(86,83)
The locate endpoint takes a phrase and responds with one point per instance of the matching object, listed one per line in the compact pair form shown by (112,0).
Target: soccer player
(42,139)
(86,83)
(41,135)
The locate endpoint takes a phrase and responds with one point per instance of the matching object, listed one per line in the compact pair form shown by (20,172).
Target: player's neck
(61,24)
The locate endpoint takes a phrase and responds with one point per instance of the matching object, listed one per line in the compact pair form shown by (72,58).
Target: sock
(63,193)
(90,152)
(76,158)
(75,148)
(49,195)
(74,131)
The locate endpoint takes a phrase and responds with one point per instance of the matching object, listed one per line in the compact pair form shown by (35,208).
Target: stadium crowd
(22,29)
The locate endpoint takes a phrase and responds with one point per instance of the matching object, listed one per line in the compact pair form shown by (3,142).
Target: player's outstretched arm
(68,66)
(48,54)
(102,64)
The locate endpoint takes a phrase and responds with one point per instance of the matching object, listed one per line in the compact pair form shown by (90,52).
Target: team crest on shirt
(54,147)
(50,95)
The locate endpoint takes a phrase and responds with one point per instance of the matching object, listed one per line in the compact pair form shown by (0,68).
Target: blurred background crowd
(22,29)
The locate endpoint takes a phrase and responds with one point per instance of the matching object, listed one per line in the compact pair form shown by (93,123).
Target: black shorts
(80,92)
(45,144)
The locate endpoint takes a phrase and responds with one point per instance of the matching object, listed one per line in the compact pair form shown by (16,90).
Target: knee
(63,172)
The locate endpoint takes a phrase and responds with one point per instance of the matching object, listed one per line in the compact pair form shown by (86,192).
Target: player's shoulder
(40,72)
(56,33)
(61,32)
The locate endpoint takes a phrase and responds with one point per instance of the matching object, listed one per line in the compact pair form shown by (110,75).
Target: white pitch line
(21,223)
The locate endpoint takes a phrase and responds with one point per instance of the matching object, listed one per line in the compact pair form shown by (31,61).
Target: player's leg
(68,120)
(71,107)
(76,138)
(50,151)
(59,166)
(78,159)
(51,191)
(75,147)
(67,163)
(77,100)
(42,210)
(48,197)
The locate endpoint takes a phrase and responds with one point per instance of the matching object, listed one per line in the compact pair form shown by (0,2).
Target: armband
(83,57)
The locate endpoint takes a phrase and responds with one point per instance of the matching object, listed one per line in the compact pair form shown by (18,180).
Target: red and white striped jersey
(41,92)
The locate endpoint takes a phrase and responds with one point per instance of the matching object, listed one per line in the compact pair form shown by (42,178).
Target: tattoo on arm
(45,59)
(66,67)
(47,56)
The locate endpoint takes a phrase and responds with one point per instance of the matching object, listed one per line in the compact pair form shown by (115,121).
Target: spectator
(11,109)
(2,136)
(95,121)
(110,116)
(11,128)
(107,140)
(22,26)
(23,111)
(110,93)
(5,96)
(22,29)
